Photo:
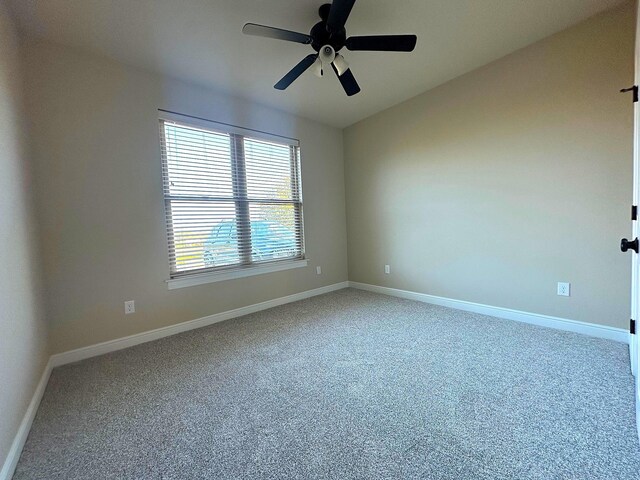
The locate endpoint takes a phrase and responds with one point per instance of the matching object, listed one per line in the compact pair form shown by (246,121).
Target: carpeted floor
(346,385)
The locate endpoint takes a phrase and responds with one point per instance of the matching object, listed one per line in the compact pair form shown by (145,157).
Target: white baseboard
(19,440)
(600,331)
(126,342)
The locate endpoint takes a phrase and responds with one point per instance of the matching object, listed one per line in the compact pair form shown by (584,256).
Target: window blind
(231,200)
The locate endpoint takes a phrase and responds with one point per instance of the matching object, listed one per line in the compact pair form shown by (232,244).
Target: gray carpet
(341,386)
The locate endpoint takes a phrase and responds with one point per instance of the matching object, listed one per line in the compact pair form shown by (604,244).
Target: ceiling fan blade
(277,33)
(348,81)
(296,71)
(339,13)
(383,43)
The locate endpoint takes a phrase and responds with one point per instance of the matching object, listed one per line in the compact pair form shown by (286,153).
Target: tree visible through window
(231,200)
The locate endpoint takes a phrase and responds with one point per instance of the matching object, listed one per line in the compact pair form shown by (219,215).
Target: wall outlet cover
(564,289)
(129,307)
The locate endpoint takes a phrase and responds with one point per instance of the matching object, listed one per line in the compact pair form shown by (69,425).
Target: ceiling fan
(327,38)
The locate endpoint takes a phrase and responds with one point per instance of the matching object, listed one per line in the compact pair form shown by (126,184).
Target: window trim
(236,271)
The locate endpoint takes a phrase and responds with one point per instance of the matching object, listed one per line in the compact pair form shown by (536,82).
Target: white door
(632,245)
(635,276)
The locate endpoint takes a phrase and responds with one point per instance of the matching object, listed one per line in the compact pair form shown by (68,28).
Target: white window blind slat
(231,201)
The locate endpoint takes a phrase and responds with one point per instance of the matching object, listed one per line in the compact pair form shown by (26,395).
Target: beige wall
(23,333)
(99,192)
(490,188)
(502,182)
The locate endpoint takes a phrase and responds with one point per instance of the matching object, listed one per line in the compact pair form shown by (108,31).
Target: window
(232,199)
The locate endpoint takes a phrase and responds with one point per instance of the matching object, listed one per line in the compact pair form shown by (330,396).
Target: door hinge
(633,89)
(634,212)
(632,327)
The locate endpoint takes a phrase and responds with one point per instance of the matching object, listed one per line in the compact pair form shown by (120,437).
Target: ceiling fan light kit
(317,68)
(341,64)
(327,38)
(327,54)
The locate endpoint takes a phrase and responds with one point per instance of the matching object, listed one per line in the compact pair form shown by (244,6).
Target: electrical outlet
(319,270)
(129,307)
(564,289)
(387,269)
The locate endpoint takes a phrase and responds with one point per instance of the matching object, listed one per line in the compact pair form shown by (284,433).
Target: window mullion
(239,179)
(296,191)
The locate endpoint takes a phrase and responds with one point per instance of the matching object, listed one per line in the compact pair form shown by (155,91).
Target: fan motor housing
(321,35)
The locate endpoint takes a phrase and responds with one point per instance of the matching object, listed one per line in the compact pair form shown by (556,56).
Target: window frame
(246,266)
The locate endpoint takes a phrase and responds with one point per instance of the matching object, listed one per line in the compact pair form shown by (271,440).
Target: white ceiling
(201,41)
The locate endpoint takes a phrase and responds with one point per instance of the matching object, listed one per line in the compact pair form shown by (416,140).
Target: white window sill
(200,279)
